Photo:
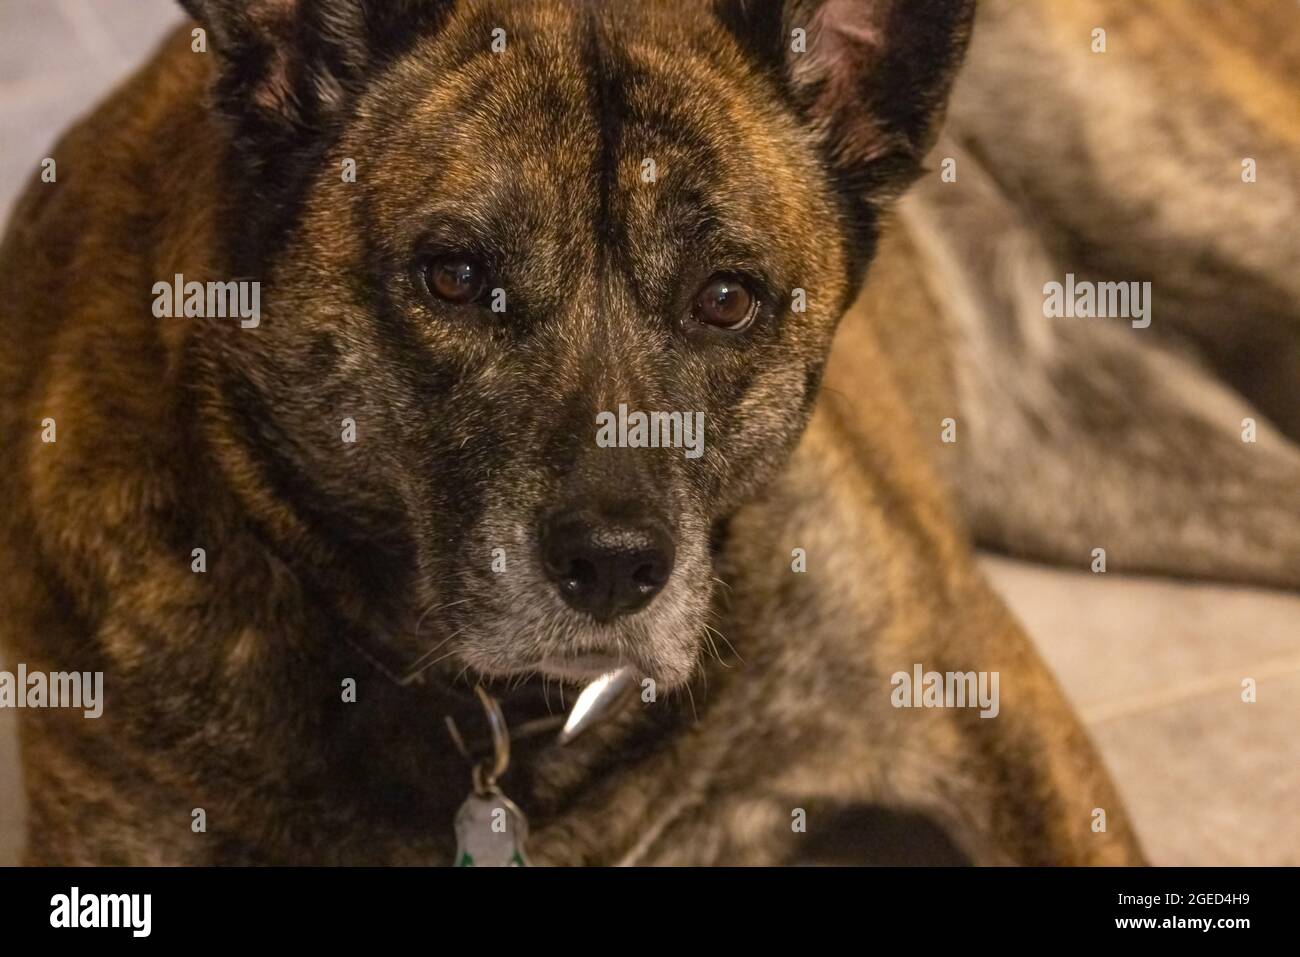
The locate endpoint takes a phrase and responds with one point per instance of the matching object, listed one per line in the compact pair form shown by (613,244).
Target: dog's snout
(607,563)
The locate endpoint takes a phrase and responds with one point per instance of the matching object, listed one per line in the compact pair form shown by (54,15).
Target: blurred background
(1154,667)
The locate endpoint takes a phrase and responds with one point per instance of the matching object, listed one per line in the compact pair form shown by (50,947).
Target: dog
(475,229)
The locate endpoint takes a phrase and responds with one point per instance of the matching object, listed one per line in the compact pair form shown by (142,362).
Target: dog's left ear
(871,77)
(286,67)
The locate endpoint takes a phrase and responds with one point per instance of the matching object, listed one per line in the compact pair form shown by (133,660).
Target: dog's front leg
(890,672)
(802,744)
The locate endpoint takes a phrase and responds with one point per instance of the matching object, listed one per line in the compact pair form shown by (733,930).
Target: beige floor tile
(1155,668)
(1122,644)
(1213,780)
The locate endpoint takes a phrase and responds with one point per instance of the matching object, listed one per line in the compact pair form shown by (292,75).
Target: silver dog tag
(491,831)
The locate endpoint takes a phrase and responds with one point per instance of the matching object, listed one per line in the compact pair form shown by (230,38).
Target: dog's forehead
(546,87)
(569,116)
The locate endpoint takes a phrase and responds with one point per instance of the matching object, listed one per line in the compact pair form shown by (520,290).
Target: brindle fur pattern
(223,688)
(1123,165)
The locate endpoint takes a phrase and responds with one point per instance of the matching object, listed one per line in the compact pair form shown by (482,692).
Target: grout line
(1135,704)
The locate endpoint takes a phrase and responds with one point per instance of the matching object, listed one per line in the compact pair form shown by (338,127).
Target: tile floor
(1154,667)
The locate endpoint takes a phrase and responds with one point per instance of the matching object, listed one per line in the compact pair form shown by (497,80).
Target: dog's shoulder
(93,382)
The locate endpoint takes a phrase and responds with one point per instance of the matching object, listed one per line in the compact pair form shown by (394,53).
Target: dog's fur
(223,688)
(1124,165)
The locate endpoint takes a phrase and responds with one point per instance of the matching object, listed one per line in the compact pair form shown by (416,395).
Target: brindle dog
(676,203)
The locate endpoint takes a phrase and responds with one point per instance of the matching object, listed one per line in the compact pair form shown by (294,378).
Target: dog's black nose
(607,563)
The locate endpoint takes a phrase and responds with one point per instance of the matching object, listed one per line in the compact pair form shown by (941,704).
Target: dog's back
(1165,149)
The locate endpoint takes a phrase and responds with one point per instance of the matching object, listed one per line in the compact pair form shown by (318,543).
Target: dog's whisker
(434,650)
(710,629)
(420,621)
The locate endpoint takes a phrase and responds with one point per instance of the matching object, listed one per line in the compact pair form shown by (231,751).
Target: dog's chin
(580,669)
(576,668)
(574,671)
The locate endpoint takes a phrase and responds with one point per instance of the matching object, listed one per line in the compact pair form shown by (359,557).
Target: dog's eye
(457,279)
(725,302)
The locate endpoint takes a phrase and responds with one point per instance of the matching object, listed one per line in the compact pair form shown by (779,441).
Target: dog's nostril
(578,575)
(649,576)
(607,564)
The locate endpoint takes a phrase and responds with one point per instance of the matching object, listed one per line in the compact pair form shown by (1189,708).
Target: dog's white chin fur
(583,665)
(578,670)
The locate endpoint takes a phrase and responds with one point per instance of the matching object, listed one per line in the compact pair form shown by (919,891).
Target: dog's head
(496,236)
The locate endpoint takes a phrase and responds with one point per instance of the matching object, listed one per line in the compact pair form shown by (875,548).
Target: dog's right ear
(869,77)
(287,67)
